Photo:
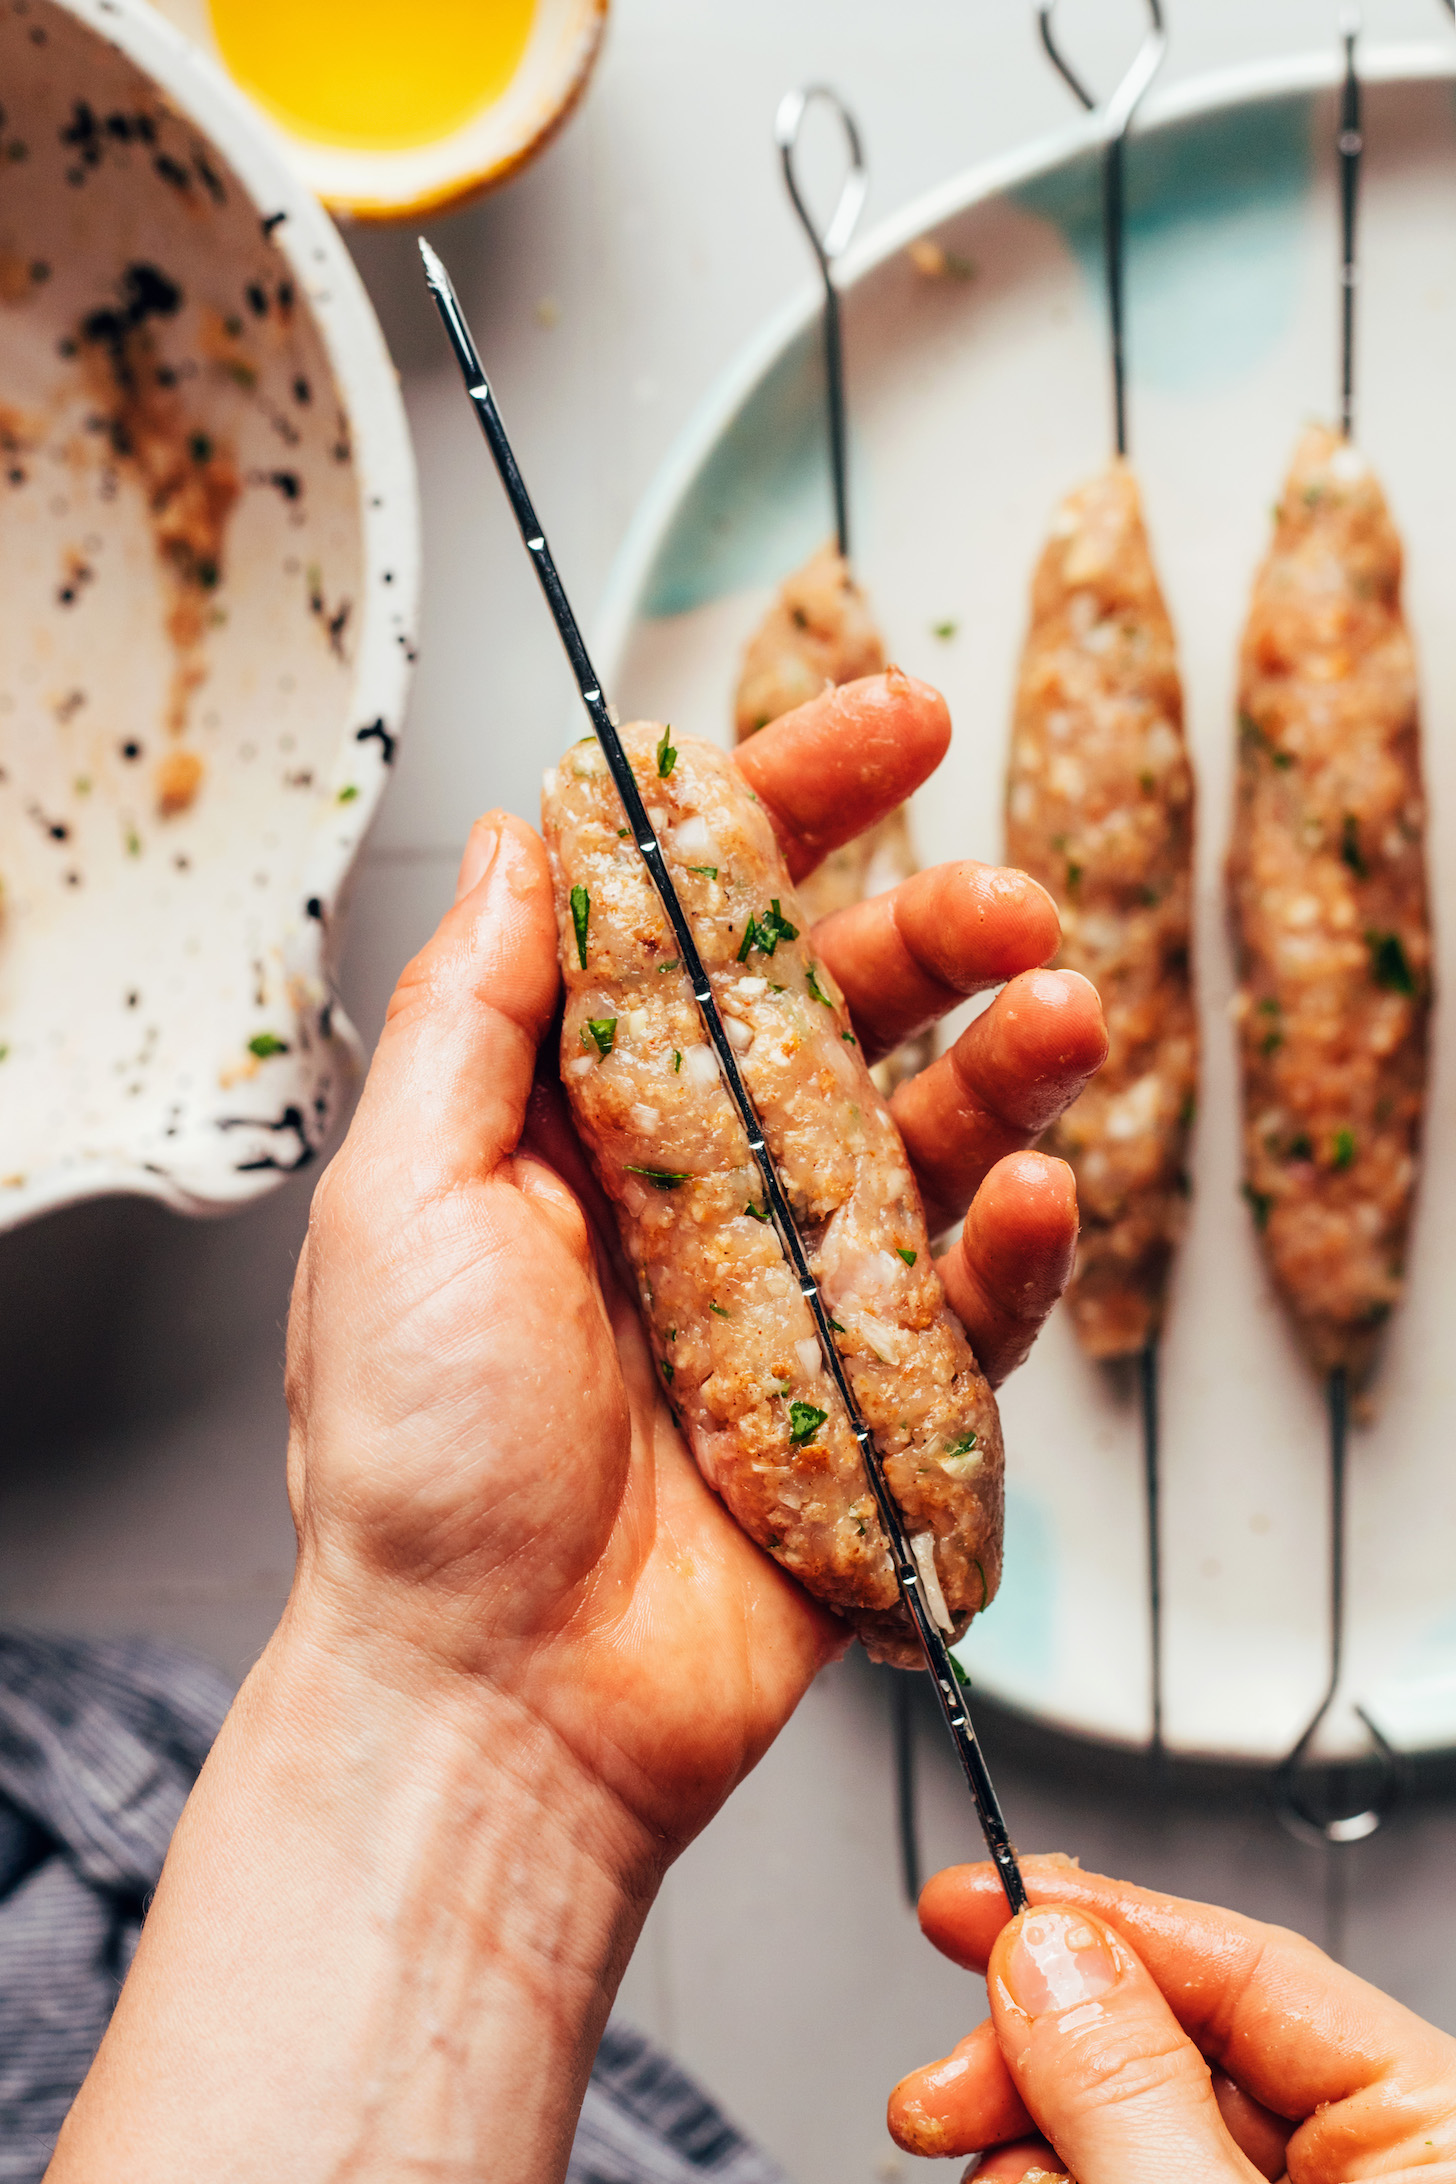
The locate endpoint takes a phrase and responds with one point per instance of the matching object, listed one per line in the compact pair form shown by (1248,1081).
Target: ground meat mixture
(733,1337)
(820,630)
(1328,884)
(1100,810)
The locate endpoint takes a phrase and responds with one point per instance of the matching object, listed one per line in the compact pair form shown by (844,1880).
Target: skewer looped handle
(827,246)
(1117,116)
(1296,1809)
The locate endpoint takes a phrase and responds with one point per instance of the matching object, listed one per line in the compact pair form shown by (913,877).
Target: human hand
(483,1466)
(1135,2037)
(527,1652)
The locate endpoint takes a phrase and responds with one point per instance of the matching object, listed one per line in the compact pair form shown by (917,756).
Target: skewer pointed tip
(434,265)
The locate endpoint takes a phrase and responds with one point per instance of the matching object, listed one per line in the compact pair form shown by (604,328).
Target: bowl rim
(384,466)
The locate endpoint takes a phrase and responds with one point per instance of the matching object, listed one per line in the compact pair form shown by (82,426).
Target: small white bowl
(488,149)
(208,578)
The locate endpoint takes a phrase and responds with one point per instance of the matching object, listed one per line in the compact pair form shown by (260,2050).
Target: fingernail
(1057,1961)
(479,857)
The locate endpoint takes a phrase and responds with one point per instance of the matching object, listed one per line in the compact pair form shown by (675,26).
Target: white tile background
(141,1445)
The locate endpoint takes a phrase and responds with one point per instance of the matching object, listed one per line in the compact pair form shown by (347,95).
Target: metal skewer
(937,1654)
(831,244)
(1350,144)
(1117,119)
(1296,1811)
(826,248)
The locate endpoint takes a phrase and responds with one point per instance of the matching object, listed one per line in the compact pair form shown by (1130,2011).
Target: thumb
(446,1094)
(1099,2059)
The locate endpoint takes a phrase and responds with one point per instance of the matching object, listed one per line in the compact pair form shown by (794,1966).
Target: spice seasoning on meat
(1329,900)
(820,630)
(748,1380)
(1100,810)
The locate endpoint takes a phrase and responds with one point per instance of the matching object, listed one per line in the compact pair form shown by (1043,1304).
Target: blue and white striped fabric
(99,1746)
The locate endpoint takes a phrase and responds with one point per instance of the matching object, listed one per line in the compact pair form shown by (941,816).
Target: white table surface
(141,1482)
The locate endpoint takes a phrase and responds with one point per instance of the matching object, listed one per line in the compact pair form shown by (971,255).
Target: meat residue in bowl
(190,482)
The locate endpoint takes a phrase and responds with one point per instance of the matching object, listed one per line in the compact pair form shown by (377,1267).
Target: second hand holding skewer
(932,1643)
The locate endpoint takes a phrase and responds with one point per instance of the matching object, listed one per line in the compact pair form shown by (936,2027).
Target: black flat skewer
(938,1659)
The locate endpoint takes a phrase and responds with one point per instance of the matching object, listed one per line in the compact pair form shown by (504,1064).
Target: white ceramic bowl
(486,150)
(208,577)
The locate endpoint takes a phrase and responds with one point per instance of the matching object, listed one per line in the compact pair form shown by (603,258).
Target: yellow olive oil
(373,75)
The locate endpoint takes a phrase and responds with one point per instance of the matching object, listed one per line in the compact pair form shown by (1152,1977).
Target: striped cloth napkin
(99,1746)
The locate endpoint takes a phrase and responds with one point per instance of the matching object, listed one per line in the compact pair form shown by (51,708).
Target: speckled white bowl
(209,547)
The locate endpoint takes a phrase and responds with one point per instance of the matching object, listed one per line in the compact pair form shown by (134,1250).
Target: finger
(1008,1076)
(832,767)
(1262,2138)
(1012,1259)
(447,1089)
(961,2104)
(1100,2060)
(1029,2161)
(903,958)
(1295,2030)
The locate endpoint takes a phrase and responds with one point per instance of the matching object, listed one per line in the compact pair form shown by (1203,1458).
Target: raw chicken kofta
(733,1337)
(1100,809)
(820,630)
(1328,885)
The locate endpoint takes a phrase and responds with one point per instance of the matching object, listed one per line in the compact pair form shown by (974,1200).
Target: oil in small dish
(372,75)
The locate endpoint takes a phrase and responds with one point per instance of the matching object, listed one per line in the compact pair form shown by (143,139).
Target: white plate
(976,403)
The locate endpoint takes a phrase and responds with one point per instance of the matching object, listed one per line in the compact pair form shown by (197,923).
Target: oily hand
(1135,2037)
(484,1477)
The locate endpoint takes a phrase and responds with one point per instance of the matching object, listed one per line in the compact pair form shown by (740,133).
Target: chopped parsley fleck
(758,1213)
(1271,1042)
(1350,851)
(963,1446)
(580,912)
(1388,965)
(672,966)
(602,1029)
(677,1061)
(709,871)
(1074,877)
(1301,1147)
(661,1179)
(908,1256)
(1260,1204)
(1259,737)
(668,1373)
(836,1326)
(621,834)
(816,989)
(266,1043)
(944,630)
(955,1667)
(766,931)
(720,1311)
(1188,1111)
(805,1419)
(1344,1152)
(666,755)
(1147,783)
(849,1035)
(347,794)
(1269,1006)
